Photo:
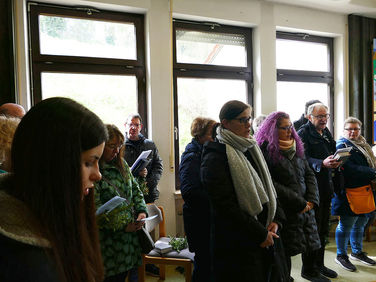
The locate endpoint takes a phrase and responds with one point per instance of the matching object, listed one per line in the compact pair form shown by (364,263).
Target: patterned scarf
(366,150)
(252,189)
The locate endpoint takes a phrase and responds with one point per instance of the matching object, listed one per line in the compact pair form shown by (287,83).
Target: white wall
(263,16)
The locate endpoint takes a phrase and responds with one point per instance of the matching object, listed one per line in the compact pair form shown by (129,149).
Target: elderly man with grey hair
(319,149)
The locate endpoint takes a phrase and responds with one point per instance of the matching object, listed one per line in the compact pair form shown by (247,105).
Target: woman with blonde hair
(196,201)
(358,171)
(8,126)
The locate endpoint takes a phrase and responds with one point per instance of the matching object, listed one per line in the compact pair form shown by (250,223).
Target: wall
(264,17)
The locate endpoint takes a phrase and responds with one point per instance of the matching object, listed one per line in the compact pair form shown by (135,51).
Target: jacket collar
(131,142)
(16,220)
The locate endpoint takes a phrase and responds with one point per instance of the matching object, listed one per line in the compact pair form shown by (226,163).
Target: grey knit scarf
(252,189)
(366,150)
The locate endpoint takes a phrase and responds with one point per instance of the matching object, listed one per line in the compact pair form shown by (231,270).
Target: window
(94,57)
(304,72)
(212,65)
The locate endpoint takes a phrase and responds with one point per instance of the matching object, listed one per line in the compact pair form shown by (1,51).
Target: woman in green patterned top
(120,247)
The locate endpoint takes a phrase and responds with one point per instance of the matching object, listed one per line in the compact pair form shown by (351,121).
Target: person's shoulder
(343,142)
(215,147)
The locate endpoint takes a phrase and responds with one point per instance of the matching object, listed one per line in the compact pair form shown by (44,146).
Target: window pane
(88,38)
(196,47)
(204,97)
(111,97)
(299,55)
(292,96)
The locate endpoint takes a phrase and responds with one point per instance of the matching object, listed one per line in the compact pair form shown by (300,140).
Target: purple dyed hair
(268,132)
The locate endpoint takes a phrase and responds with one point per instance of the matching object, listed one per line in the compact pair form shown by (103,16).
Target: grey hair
(257,122)
(313,106)
(352,120)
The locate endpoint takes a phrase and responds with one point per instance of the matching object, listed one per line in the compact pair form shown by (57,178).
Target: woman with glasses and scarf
(119,243)
(243,199)
(359,170)
(294,182)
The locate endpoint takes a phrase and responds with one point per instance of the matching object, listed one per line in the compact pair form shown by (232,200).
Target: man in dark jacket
(319,149)
(135,144)
(304,118)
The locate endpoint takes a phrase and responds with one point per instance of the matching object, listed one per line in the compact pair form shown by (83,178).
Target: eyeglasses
(134,125)
(114,146)
(352,129)
(244,120)
(322,116)
(285,127)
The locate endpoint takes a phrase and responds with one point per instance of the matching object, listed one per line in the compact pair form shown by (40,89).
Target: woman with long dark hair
(48,229)
(294,182)
(120,247)
(244,205)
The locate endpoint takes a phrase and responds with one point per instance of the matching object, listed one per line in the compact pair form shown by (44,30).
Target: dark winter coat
(155,167)
(356,172)
(196,210)
(23,254)
(237,236)
(317,148)
(298,123)
(296,185)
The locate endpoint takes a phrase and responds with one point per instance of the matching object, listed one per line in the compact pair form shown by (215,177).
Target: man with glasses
(319,149)
(135,144)
(304,118)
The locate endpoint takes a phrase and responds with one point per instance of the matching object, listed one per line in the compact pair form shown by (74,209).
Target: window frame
(311,76)
(89,65)
(185,70)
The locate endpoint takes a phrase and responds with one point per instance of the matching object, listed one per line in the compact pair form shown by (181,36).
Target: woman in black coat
(294,182)
(196,211)
(244,205)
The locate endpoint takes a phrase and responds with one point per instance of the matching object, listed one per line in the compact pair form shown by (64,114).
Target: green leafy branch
(178,244)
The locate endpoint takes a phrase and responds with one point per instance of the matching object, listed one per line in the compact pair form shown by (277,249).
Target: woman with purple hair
(294,182)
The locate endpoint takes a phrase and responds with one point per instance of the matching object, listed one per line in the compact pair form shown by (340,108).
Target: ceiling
(366,8)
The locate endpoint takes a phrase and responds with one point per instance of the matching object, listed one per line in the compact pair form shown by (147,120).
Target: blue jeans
(350,227)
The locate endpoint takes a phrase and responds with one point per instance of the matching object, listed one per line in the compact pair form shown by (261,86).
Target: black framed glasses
(322,116)
(285,127)
(244,120)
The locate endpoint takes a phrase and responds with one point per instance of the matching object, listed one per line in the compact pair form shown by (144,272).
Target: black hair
(232,109)
(46,167)
(309,103)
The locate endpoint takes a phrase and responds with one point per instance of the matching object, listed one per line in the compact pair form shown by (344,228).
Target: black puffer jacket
(155,167)
(296,185)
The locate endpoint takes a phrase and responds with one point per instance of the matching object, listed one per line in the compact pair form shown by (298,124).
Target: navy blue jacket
(196,210)
(356,173)
(317,148)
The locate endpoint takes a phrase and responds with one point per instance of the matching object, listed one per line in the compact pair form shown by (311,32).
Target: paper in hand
(110,205)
